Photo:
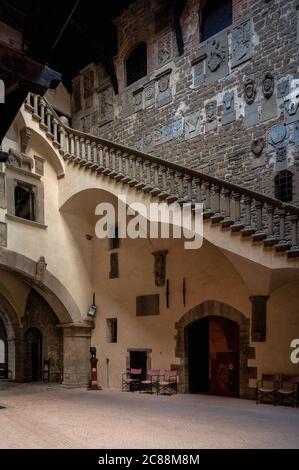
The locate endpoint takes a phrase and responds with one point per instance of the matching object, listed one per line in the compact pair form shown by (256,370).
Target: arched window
(215,16)
(136,64)
(284,186)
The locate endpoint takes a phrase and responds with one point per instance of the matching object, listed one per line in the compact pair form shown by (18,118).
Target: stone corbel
(25,134)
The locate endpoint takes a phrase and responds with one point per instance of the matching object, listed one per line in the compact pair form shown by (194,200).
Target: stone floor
(42,416)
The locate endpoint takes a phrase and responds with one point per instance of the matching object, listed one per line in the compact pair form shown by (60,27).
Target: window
(24,201)
(284,186)
(136,64)
(113,237)
(111,324)
(215,16)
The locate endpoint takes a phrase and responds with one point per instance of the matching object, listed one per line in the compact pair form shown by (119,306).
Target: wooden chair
(267,388)
(152,377)
(130,380)
(169,384)
(288,390)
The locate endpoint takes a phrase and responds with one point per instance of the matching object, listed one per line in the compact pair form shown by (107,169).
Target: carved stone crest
(217,56)
(249,90)
(241,43)
(283,88)
(211,110)
(105,106)
(41,267)
(163,83)
(268,85)
(160,267)
(164,50)
(277,135)
(257,146)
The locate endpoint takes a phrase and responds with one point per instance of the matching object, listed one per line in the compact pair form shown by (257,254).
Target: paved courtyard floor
(42,416)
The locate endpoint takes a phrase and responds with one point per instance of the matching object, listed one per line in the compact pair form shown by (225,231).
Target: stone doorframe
(212,308)
(148,357)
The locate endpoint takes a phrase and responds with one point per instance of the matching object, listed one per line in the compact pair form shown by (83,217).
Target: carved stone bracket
(25,134)
(160,267)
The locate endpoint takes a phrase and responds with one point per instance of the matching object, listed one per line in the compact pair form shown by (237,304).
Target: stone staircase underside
(249,214)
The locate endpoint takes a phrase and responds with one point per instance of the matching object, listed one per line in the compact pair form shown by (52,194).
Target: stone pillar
(76,344)
(259,317)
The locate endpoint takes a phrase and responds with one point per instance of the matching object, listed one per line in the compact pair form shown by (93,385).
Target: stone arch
(53,291)
(212,308)
(14,340)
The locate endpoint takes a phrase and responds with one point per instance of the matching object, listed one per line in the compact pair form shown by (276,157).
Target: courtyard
(50,416)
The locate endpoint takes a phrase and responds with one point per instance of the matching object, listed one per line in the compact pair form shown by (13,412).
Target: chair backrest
(170,373)
(270,377)
(153,372)
(135,371)
(290,378)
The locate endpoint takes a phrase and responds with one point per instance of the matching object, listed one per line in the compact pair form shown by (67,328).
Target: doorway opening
(138,360)
(213,356)
(33,341)
(3,352)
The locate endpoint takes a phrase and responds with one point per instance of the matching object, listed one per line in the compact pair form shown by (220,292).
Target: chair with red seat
(130,380)
(288,390)
(169,383)
(152,377)
(266,387)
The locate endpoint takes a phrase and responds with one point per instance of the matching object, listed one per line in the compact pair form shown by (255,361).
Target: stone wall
(38,314)
(219,107)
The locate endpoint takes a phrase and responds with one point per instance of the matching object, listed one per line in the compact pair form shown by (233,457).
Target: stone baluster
(113,172)
(248,229)
(271,238)
(148,188)
(217,216)
(88,162)
(72,146)
(119,159)
(283,244)
(189,181)
(49,125)
(164,193)
(142,165)
(100,159)
(294,250)
(55,133)
(126,178)
(77,149)
(237,225)
(207,206)
(35,114)
(94,156)
(107,169)
(133,180)
(42,123)
(260,233)
(82,149)
(28,104)
(62,142)
(180,185)
(156,190)
(198,184)
(227,221)
(172,196)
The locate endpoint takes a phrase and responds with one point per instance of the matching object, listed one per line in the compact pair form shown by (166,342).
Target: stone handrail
(232,206)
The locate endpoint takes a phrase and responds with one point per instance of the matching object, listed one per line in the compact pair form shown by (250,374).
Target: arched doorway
(213,308)
(3,351)
(213,356)
(33,348)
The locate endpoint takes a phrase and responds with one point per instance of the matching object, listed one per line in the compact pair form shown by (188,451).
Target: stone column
(76,344)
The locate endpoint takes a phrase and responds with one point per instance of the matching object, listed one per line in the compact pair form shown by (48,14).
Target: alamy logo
(155,220)
(295,353)
(2,92)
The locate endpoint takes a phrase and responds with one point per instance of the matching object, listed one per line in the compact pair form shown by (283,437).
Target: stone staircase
(251,214)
